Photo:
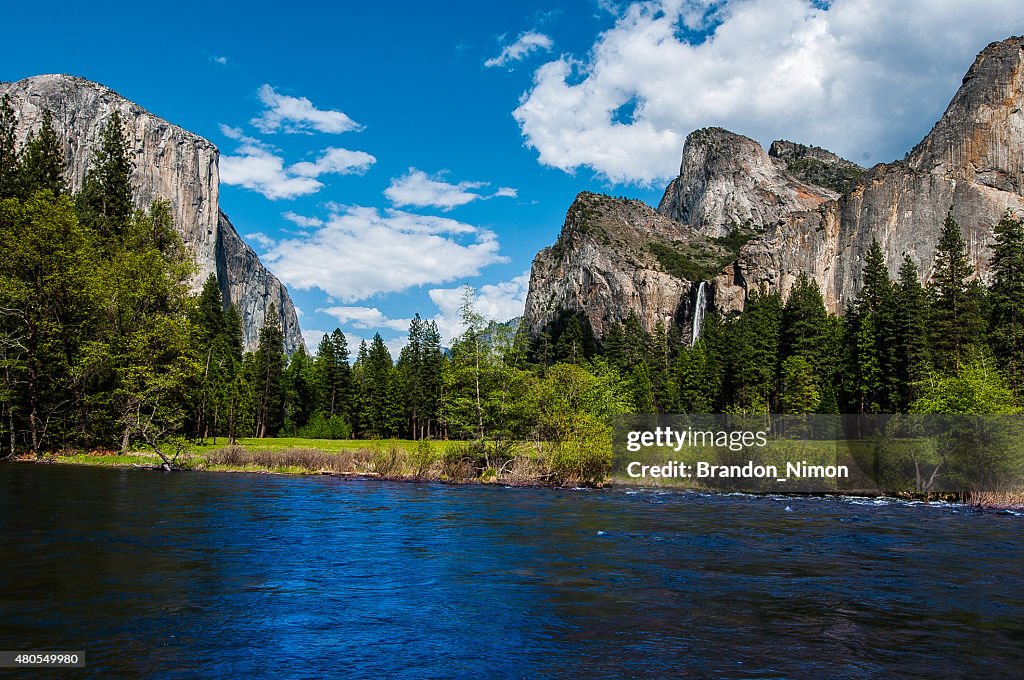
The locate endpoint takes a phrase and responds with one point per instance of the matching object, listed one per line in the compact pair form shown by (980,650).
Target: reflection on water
(214,575)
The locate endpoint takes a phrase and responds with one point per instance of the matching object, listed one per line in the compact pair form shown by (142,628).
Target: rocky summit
(739,218)
(172,164)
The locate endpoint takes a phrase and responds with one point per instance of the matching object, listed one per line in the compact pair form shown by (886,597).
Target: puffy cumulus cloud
(360,252)
(365,317)
(417,188)
(259,167)
(523,46)
(861,77)
(495,301)
(284,113)
(256,166)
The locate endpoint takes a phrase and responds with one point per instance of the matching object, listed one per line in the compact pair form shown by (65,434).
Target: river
(213,575)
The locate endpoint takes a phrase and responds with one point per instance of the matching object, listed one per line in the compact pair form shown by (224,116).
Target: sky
(381,156)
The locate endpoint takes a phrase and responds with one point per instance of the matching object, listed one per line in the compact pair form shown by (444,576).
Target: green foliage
(974,387)
(798,392)
(10,159)
(266,373)
(1006,327)
(957,324)
(322,426)
(42,162)
(106,199)
(835,176)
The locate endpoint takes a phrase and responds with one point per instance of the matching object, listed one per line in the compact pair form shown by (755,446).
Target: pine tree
(431,381)
(211,326)
(798,389)
(956,320)
(10,160)
(1007,292)
(105,202)
(379,382)
(804,322)
(694,376)
(754,356)
(42,161)
(911,349)
(300,395)
(268,376)
(872,372)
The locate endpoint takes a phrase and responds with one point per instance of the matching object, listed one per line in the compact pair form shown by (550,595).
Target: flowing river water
(213,575)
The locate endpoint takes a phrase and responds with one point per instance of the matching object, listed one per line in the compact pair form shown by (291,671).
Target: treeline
(96,339)
(951,345)
(102,344)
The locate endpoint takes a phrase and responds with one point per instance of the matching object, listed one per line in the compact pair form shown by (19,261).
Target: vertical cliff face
(171,164)
(971,164)
(805,210)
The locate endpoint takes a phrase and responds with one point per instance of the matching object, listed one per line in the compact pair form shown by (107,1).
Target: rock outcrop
(615,257)
(172,164)
(800,209)
(727,180)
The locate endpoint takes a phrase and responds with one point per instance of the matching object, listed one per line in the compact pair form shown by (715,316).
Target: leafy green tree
(42,161)
(975,387)
(48,304)
(143,358)
(575,407)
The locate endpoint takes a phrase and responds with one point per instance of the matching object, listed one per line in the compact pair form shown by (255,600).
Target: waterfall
(698,312)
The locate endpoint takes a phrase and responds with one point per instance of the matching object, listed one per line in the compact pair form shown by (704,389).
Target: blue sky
(378,156)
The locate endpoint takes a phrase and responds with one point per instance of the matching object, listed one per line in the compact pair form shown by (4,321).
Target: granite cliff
(172,164)
(794,209)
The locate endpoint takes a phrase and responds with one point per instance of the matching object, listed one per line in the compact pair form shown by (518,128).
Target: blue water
(225,575)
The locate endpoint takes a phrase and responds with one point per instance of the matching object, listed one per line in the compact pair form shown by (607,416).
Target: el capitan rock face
(172,164)
(971,163)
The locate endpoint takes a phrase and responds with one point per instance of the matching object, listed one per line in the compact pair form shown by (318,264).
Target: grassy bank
(513,464)
(509,464)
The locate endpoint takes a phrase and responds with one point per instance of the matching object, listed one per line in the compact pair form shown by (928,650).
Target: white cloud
(861,77)
(497,302)
(340,161)
(219,60)
(417,188)
(298,114)
(365,317)
(360,252)
(302,220)
(259,167)
(525,45)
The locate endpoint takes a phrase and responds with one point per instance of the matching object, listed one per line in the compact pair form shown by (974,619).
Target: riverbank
(522,464)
